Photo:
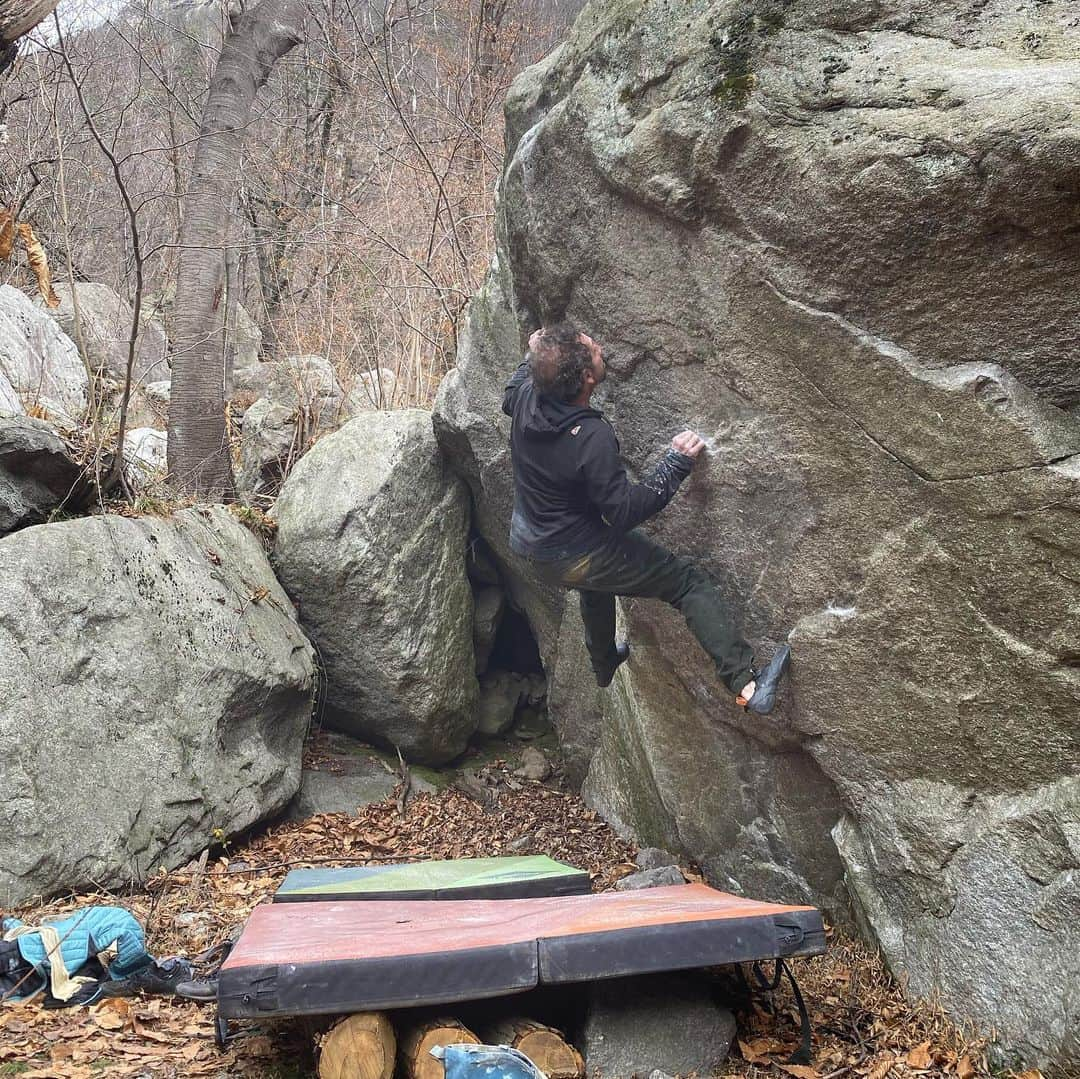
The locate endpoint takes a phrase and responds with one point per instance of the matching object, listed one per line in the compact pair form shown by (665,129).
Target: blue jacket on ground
(83,934)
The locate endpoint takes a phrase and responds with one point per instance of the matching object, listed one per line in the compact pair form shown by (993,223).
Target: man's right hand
(688,444)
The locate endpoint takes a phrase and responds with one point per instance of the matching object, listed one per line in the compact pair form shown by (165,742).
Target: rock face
(104,327)
(156,687)
(37,473)
(839,241)
(39,364)
(371,545)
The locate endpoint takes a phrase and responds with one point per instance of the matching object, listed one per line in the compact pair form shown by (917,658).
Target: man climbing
(575,514)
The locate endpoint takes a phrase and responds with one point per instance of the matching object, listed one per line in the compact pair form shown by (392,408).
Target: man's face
(599,368)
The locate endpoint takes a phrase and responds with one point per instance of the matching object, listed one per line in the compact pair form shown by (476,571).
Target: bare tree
(199,461)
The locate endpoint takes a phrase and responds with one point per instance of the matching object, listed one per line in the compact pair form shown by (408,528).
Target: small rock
(189,919)
(655,1023)
(159,392)
(332,792)
(534,765)
(654,858)
(41,365)
(530,723)
(145,455)
(104,330)
(651,878)
(372,391)
(238,867)
(500,692)
(267,448)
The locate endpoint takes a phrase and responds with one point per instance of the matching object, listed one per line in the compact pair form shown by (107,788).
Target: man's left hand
(688,444)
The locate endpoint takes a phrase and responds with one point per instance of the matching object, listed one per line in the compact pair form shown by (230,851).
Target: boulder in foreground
(156,689)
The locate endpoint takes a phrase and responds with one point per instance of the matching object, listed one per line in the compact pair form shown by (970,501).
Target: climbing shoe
(199,989)
(622,654)
(764,699)
(161,977)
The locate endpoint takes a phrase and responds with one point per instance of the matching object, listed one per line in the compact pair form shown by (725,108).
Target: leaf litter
(864,1028)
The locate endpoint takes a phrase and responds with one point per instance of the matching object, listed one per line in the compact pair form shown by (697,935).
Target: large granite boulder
(37,473)
(839,241)
(156,688)
(40,366)
(103,329)
(370,544)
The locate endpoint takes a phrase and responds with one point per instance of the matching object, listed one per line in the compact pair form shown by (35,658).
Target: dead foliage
(864,1027)
(35,254)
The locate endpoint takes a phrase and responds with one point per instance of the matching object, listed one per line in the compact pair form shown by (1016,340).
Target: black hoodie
(571,492)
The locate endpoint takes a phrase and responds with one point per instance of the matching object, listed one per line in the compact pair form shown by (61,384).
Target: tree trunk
(18,17)
(361,1046)
(199,462)
(418,1041)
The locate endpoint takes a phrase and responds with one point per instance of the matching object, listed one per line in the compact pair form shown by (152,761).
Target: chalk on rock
(651,878)
(655,1023)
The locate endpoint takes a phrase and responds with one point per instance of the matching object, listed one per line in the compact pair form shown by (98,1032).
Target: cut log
(361,1046)
(417,1042)
(543,1045)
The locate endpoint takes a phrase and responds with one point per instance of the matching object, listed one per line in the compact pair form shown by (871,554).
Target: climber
(576,512)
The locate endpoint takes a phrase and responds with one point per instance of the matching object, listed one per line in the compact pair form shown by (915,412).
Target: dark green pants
(632,565)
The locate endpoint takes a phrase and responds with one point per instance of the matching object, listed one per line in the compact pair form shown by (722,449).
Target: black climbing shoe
(200,989)
(622,654)
(162,977)
(764,698)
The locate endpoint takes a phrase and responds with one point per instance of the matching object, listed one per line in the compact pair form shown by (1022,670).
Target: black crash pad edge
(619,953)
(799,933)
(577,884)
(348,985)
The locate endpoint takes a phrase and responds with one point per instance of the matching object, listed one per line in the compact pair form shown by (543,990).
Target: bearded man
(576,514)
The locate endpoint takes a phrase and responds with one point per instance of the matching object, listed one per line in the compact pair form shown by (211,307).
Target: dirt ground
(864,1028)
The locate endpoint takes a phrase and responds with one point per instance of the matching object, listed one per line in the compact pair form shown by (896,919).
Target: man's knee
(687,579)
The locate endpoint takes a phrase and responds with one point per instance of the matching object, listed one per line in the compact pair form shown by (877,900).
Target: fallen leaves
(864,1028)
(920,1057)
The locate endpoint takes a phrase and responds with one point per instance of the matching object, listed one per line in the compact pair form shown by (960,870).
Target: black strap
(803,1054)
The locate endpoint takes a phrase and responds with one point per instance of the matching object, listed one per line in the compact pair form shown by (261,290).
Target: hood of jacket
(543,417)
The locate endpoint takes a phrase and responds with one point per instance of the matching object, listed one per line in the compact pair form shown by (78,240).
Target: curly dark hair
(558,361)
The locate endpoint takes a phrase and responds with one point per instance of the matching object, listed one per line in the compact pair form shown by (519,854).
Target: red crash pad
(347,956)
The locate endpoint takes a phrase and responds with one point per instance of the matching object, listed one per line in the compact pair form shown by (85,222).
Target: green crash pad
(527,877)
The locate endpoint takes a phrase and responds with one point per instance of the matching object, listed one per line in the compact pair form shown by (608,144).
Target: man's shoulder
(596,425)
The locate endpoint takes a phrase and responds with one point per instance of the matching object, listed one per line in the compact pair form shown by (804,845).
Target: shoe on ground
(768,681)
(622,654)
(162,977)
(199,989)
